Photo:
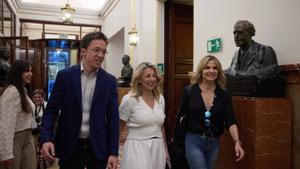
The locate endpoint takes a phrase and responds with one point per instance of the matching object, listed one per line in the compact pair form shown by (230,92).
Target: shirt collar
(82,69)
(217,90)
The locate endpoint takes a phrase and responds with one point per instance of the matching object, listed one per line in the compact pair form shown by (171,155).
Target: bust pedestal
(124,82)
(122,91)
(265,128)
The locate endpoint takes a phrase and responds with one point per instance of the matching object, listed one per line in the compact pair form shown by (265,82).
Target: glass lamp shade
(67,14)
(133,37)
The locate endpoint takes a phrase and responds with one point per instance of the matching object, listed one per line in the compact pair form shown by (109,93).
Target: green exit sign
(214,45)
(161,68)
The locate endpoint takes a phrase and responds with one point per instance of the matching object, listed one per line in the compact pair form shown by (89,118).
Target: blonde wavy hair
(197,77)
(136,87)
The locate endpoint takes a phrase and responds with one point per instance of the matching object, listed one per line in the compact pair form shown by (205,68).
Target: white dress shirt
(88,83)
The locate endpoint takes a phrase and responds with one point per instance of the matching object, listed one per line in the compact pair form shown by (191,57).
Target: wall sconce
(133,36)
(67,14)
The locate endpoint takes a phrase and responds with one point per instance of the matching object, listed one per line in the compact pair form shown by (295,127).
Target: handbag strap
(180,125)
(188,94)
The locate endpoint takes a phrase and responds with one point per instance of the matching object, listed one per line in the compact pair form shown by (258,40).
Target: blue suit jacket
(104,115)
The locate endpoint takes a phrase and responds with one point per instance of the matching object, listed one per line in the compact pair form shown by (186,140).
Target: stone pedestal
(265,128)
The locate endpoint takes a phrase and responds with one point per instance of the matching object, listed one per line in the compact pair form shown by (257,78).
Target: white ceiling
(87,11)
(77,4)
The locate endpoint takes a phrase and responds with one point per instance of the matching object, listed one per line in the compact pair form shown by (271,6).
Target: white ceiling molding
(13,5)
(56,28)
(107,8)
(45,7)
(92,5)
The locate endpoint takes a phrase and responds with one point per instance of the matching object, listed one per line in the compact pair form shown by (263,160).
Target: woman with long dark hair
(16,141)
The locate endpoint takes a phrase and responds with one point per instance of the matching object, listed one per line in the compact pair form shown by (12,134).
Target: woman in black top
(209,111)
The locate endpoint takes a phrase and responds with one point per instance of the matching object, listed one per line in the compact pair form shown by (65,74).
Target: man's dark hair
(88,38)
(247,25)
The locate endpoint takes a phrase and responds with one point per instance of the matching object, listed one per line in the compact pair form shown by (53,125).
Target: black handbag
(176,147)
(177,155)
(180,129)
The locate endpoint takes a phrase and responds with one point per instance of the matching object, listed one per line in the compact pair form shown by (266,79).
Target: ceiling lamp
(67,14)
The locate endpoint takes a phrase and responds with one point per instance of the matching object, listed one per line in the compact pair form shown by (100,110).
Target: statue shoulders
(127,67)
(262,46)
(127,71)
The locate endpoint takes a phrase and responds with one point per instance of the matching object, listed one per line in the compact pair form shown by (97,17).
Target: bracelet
(237,141)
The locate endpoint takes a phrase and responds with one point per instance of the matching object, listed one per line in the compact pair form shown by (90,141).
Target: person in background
(143,110)
(86,100)
(17,150)
(209,111)
(38,96)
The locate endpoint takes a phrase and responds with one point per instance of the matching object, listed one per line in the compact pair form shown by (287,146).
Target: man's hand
(112,162)
(48,151)
(7,163)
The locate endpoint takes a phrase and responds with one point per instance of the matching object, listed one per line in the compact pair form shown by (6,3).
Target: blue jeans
(201,151)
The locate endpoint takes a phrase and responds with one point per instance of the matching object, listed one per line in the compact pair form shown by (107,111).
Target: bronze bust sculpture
(254,68)
(126,72)
(252,58)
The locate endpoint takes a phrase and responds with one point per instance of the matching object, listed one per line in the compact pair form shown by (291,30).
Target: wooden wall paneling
(292,79)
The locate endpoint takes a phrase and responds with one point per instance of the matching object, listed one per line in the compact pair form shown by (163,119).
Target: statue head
(243,33)
(125,59)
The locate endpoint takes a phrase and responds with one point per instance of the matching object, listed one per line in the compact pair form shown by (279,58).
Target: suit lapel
(77,84)
(99,85)
(235,61)
(251,54)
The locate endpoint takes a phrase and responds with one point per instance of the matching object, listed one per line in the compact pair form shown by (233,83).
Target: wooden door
(178,57)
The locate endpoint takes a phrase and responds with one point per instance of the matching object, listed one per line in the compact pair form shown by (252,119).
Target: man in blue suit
(87,133)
